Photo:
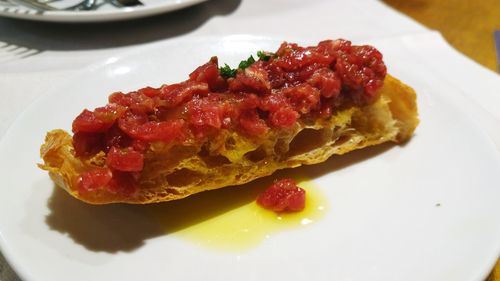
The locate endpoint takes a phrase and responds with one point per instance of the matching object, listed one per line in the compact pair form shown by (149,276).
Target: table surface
(467,25)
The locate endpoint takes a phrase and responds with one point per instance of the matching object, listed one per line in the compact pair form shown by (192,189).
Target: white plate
(427,210)
(105,11)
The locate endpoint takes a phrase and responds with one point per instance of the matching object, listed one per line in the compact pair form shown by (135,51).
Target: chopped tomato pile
(272,93)
(283,196)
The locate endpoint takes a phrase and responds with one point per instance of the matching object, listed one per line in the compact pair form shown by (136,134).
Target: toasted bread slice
(175,171)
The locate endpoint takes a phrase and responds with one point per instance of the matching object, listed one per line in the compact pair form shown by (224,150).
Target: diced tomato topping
(88,144)
(251,124)
(332,47)
(149,92)
(130,122)
(140,145)
(177,94)
(307,71)
(142,103)
(97,121)
(283,196)
(326,81)
(118,98)
(124,183)
(372,86)
(209,73)
(360,67)
(88,122)
(249,101)
(138,127)
(274,102)
(277,76)
(135,101)
(109,113)
(94,179)
(204,117)
(165,131)
(303,98)
(284,117)
(253,79)
(276,91)
(292,57)
(126,160)
(115,137)
(326,109)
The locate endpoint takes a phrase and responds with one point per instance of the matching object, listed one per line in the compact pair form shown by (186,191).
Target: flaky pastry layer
(175,171)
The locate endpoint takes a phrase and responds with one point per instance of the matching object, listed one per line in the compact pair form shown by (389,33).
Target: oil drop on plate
(248,225)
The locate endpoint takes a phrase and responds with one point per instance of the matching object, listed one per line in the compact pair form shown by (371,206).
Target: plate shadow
(122,227)
(43,36)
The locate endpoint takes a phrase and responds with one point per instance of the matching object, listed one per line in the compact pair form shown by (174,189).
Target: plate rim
(102,15)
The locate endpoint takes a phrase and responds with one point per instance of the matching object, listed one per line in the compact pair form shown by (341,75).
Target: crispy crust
(173,171)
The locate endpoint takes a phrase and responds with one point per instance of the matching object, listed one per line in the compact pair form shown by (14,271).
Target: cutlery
(85,5)
(39,6)
(126,3)
(43,6)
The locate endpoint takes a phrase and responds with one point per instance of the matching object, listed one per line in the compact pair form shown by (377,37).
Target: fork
(85,5)
(126,3)
(43,6)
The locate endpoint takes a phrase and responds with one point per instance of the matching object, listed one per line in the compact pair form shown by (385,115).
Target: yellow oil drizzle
(229,219)
(248,225)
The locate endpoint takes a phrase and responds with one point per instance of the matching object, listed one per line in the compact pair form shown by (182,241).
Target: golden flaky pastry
(176,172)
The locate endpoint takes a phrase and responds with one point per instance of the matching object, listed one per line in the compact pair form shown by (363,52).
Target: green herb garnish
(227,72)
(265,56)
(246,63)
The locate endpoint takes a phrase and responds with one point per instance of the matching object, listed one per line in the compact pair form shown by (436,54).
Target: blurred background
(468,25)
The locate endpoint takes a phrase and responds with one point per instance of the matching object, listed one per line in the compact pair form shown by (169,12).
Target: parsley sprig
(227,72)
(246,63)
(265,56)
